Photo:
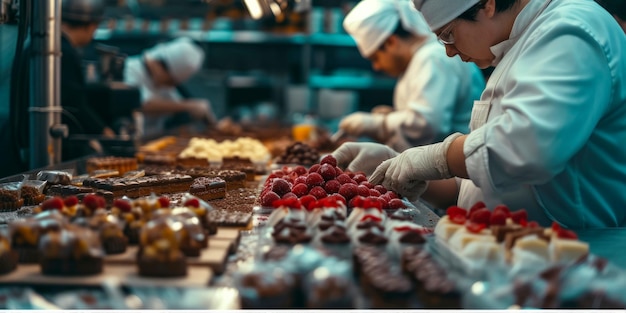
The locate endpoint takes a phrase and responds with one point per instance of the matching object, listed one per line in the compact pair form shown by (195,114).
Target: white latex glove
(408,173)
(362,156)
(200,109)
(382,109)
(364,124)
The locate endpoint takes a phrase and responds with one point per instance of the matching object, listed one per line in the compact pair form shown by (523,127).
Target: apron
(525,196)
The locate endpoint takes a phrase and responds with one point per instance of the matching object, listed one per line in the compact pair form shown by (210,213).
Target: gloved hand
(408,173)
(362,156)
(200,109)
(364,124)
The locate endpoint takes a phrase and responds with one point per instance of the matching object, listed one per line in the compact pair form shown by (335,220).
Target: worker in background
(434,93)
(617,8)
(159,73)
(79,21)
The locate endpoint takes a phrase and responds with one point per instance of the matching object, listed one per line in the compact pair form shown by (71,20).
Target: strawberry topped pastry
(502,235)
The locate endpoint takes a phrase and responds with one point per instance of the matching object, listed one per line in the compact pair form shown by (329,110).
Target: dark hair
(501,6)
(615,7)
(78,24)
(401,32)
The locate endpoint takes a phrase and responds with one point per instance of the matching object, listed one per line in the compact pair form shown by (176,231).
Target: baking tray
(126,274)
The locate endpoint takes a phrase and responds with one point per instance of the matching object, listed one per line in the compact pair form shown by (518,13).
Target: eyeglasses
(446,37)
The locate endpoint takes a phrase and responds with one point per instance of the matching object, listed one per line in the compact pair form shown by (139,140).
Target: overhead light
(254,8)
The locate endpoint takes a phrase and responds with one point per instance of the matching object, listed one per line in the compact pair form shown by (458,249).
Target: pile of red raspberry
(323,180)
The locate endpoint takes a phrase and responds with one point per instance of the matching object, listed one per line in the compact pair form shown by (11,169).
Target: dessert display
(110,231)
(159,253)
(266,287)
(299,153)
(25,234)
(479,235)
(31,195)
(132,218)
(241,164)
(70,251)
(323,180)
(192,235)
(55,177)
(234,179)
(8,257)
(10,200)
(142,186)
(202,211)
(68,190)
(207,188)
(213,151)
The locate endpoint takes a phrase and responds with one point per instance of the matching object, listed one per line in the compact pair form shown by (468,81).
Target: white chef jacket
(135,74)
(554,137)
(433,98)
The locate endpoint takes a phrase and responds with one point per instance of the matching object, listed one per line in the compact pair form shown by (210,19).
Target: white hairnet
(440,12)
(371,22)
(182,57)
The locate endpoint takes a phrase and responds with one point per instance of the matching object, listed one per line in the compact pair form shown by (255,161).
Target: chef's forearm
(456,158)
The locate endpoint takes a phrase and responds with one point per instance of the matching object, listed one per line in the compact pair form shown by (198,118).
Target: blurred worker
(79,21)
(617,8)
(159,72)
(434,93)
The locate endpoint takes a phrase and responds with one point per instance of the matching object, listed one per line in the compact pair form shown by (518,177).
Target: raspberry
(363,191)
(70,201)
(327,172)
(55,203)
(280,186)
(555,226)
(329,159)
(367,184)
(477,206)
(339,198)
(300,180)
(390,194)
(332,186)
(348,191)
(306,200)
(355,202)
(566,234)
(338,171)
(350,174)
(314,179)
(385,198)
(318,192)
(314,168)
(343,178)
(458,219)
(269,198)
(395,204)
(381,189)
(519,216)
(375,193)
(102,203)
(164,202)
(277,174)
(497,218)
(289,195)
(475,228)
(193,203)
(352,181)
(533,224)
(123,205)
(504,209)
(480,216)
(300,190)
(91,201)
(455,210)
(359,178)
(300,170)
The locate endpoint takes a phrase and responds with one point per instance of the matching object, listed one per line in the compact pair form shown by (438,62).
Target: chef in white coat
(159,73)
(434,94)
(548,133)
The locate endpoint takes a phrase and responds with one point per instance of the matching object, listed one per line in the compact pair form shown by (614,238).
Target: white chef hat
(182,57)
(371,22)
(441,12)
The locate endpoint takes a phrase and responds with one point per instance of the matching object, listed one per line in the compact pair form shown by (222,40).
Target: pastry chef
(434,94)
(548,133)
(159,73)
